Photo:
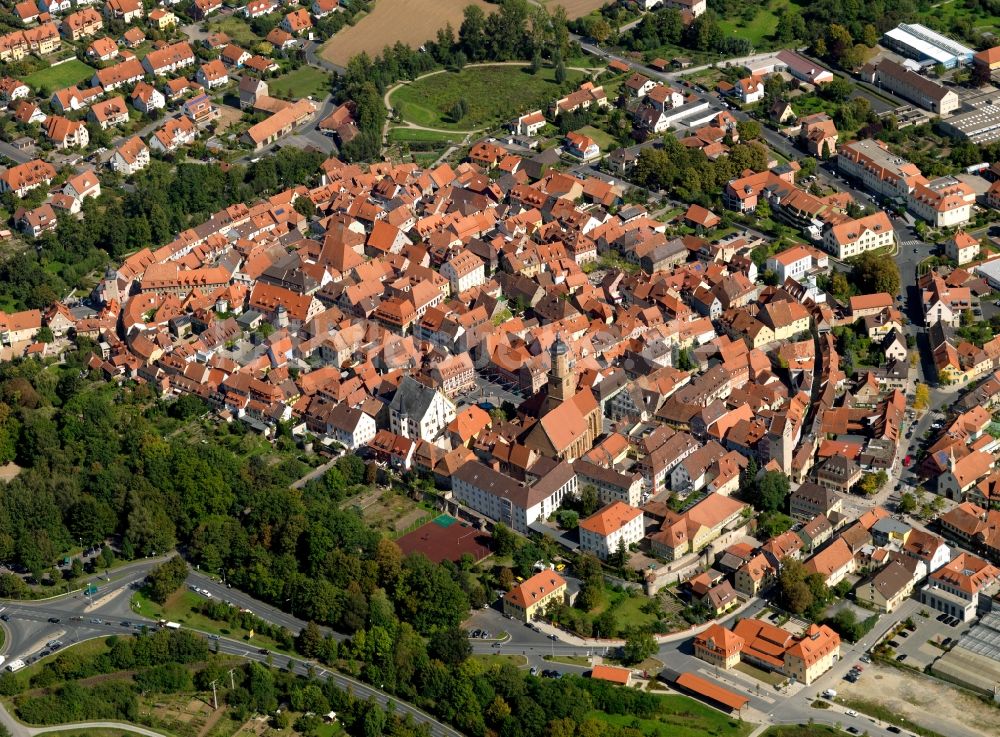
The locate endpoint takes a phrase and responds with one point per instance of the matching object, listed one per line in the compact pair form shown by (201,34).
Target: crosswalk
(911,243)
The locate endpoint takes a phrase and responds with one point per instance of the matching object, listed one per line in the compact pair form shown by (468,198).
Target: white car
(851,713)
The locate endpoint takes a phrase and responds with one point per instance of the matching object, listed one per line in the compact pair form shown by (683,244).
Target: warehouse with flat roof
(980,125)
(926,46)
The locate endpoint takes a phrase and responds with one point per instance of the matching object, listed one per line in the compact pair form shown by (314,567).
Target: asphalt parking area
(918,646)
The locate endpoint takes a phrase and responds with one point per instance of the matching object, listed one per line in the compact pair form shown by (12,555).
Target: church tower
(560,384)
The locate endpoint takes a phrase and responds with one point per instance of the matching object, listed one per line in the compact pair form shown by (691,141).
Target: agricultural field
(574,8)
(411,21)
(392,512)
(305,81)
(492,95)
(56,77)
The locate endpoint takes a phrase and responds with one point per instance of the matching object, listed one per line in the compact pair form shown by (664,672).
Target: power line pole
(215,696)
(232,683)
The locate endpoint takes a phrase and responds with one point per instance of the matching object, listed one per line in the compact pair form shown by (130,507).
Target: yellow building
(812,655)
(527,599)
(718,646)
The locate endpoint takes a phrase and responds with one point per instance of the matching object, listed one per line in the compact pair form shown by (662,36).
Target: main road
(75,617)
(70,618)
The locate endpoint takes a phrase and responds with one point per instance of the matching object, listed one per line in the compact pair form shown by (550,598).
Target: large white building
(506,500)
(878,168)
(943,202)
(603,532)
(916,88)
(419,412)
(854,237)
(464,270)
(796,262)
(926,46)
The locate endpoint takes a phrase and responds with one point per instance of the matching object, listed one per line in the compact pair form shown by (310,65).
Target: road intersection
(75,617)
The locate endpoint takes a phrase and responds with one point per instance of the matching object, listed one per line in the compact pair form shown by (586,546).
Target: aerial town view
(499,368)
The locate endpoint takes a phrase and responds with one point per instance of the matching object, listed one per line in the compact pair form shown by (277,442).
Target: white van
(15,665)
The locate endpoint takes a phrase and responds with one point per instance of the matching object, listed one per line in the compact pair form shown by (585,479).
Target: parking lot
(917,645)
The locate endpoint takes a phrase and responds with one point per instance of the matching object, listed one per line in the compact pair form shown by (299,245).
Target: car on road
(125,623)
(851,713)
(894,729)
(5,617)
(96,621)
(264,651)
(213,637)
(854,730)
(54,620)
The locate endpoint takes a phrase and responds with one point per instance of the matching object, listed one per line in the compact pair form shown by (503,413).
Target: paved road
(13,154)
(79,618)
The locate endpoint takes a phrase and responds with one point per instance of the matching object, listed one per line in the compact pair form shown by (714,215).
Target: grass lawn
(492,96)
(96,646)
(404,135)
(604,139)
(424,158)
(680,717)
(516,660)
(181,608)
(803,730)
(302,82)
(628,611)
(64,75)
(237,29)
(568,660)
(759,29)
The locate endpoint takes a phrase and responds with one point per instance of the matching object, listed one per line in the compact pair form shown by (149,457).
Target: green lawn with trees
(52,78)
(306,81)
(477,97)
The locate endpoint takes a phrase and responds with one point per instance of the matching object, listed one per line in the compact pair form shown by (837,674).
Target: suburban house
(130,157)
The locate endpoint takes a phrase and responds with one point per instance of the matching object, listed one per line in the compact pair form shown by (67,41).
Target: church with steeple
(570,420)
